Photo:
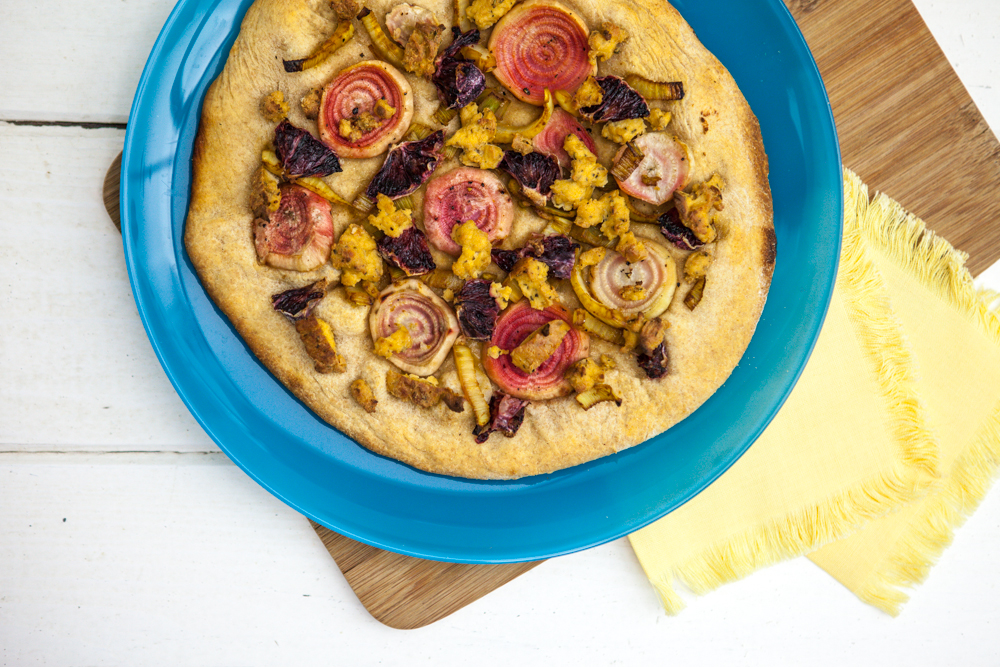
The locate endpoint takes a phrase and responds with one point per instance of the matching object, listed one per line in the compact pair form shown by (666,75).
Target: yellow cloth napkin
(896,411)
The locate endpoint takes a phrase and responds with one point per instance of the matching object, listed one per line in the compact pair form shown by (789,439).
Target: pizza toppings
(362,393)
(273,107)
(421,392)
(530,275)
(598,394)
(386,48)
(539,345)
(618,102)
(477,309)
(301,154)
(696,265)
(298,235)
(458,81)
(465,194)
(406,167)
(465,366)
(430,324)
(675,231)
(475,136)
(408,251)
(265,196)
(506,415)
(585,175)
(355,255)
(317,336)
(538,45)
(655,364)
(557,251)
(655,90)
(584,374)
(534,172)
(656,275)
(404,18)
(694,295)
(341,35)
(547,380)
(606,41)
(299,302)
(506,135)
(551,139)
(476,248)
(697,208)
(623,131)
(487,12)
(352,97)
(663,169)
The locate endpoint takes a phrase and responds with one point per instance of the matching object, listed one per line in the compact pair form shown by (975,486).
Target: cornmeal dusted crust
(704,345)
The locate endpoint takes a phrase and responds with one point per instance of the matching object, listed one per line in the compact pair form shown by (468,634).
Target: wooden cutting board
(907,126)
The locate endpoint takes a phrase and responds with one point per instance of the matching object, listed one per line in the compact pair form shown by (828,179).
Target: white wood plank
(181,559)
(75,61)
(77,368)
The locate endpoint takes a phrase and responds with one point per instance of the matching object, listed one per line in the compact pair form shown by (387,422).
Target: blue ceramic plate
(329,478)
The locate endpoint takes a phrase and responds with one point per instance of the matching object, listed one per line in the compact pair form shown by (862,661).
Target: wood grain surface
(906,125)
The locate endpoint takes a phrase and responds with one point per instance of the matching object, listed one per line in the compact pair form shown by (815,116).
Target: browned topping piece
(345,9)
(362,393)
(584,374)
(588,94)
(355,127)
(598,394)
(539,345)
(265,198)
(310,103)
(384,110)
(421,392)
(522,145)
(651,334)
(592,256)
(317,336)
(422,48)
(606,41)
(696,265)
(274,107)
(696,209)
(531,275)
(632,292)
(693,297)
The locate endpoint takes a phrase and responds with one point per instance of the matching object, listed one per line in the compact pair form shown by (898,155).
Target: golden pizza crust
(704,345)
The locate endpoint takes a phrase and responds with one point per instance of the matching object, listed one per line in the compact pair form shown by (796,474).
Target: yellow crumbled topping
(588,94)
(586,174)
(474,137)
(631,248)
(355,127)
(274,107)
(397,341)
(696,209)
(495,352)
(384,110)
(531,278)
(592,256)
(696,265)
(592,212)
(623,131)
(584,374)
(633,293)
(608,362)
(501,293)
(310,103)
(617,222)
(363,394)
(522,145)
(606,41)
(264,194)
(422,48)
(487,12)
(356,255)
(317,336)
(448,294)
(388,220)
(659,119)
(476,247)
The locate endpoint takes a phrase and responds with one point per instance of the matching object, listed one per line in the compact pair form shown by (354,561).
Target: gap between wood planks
(86,125)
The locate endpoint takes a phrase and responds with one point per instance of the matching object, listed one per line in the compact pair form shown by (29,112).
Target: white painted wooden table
(127,538)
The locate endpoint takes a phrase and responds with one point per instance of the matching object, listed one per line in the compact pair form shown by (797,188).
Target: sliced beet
(533,171)
(458,80)
(620,102)
(656,364)
(298,302)
(407,166)
(557,251)
(677,233)
(302,154)
(506,415)
(409,251)
(477,309)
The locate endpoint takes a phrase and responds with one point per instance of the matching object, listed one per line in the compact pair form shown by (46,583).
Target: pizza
(490,239)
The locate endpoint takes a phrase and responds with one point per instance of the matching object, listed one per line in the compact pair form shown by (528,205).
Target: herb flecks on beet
(477,309)
(409,251)
(458,80)
(677,233)
(656,364)
(406,167)
(302,154)
(620,102)
(535,172)
(557,251)
(506,415)
(298,302)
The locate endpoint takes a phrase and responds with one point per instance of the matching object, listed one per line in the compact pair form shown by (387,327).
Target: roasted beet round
(477,309)
(657,364)
(458,81)
(534,171)
(677,233)
(506,415)
(409,251)
(620,102)
(302,154)
(406,167)
(298,302)
(557,251)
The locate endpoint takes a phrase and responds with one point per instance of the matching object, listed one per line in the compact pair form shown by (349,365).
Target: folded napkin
(889,439)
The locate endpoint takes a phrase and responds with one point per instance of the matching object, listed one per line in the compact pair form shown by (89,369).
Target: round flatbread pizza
(490,239)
